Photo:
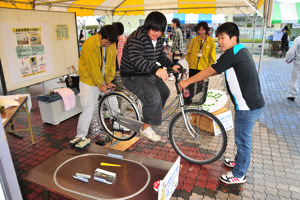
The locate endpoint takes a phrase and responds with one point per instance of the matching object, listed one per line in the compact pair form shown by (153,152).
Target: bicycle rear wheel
(205,145)
(112,107)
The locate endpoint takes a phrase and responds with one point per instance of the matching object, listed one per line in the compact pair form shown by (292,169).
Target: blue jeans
(152,92)
(244,123)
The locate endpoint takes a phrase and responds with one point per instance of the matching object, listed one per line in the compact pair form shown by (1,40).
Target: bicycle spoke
(110,108)
(204,145)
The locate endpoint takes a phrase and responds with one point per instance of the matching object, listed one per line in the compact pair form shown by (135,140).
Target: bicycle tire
(108,115)
(208,147)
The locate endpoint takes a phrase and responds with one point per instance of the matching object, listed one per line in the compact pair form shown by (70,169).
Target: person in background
(288,31)
(141,71)
(97,65)
(293,54)
(120,43)
(284,42)
(244,88)
(166,39)
(201,53)
(188,34)
(90,33)
(177,43)
(81,37)
(95,31)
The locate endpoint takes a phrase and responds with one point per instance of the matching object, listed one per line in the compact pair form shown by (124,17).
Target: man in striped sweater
(141,70)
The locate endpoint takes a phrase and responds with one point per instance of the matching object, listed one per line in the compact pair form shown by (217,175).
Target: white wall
(130,22)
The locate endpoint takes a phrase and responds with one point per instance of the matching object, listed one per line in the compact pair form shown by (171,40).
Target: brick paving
(274,171)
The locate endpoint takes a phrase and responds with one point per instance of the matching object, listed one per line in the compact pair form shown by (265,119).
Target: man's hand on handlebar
(176,67)
(162,74)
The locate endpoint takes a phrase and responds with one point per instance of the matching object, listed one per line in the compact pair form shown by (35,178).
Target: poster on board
(62,31)
(277,35)
(28,50)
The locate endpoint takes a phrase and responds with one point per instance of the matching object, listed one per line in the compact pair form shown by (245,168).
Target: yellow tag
(109,164)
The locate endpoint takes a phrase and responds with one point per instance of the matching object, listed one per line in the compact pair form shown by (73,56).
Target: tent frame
(113,11)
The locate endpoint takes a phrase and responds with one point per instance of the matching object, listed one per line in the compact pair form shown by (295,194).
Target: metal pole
(253,35)
(263,37)
(84,30)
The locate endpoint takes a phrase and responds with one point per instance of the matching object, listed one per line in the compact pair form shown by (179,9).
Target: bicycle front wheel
(111,108)
(206,141)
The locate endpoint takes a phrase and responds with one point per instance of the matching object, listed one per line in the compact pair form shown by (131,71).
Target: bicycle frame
(137,104)
(188,125)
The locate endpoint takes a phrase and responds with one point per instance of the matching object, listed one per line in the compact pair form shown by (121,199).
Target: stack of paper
(8,101)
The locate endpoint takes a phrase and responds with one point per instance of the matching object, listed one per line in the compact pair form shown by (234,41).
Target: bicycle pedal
(83,143)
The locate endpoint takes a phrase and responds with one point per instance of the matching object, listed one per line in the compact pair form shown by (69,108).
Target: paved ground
(274,171)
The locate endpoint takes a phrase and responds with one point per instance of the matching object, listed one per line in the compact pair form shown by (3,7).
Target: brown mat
(132,179)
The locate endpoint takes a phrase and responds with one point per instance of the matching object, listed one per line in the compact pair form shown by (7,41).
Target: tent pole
(252,28)
(256,11)
(84,30)
(253,35)
(263,36)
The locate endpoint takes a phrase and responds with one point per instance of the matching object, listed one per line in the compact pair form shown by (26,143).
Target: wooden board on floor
(121,145)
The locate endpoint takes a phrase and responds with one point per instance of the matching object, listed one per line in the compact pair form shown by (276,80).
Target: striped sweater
(139,56)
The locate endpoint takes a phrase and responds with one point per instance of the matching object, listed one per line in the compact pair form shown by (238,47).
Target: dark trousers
(152,92)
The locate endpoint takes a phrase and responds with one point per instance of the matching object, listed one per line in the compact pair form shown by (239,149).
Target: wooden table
(11,114)
(134,178)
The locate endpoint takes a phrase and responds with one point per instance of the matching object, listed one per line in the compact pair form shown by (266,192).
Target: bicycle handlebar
(176,74)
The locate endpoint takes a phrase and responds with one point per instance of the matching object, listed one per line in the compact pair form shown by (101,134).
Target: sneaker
(229,178)
(76,140)
(120,127)
(229,163)
(291,98)
(150,134)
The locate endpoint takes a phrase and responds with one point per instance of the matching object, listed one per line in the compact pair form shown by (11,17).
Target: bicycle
(191,131)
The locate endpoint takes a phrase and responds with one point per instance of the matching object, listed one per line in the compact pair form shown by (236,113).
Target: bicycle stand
(112,144)
(132,124)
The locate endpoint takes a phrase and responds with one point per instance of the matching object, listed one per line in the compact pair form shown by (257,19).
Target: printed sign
(277,35)
(28,50)
(170,182)
(226,120)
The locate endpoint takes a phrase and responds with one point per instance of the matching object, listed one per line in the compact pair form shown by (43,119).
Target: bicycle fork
(187,122)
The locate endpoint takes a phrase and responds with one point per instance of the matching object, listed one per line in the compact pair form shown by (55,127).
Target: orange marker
(74,70)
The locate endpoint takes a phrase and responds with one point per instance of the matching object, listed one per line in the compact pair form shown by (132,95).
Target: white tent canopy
(87,21)
(286,13)
(192,18)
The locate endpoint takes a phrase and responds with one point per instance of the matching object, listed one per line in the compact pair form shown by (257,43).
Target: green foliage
(92,27)
(249,24)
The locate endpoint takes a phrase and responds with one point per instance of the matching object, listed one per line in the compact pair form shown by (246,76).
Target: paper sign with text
(170,182)
(226,120)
